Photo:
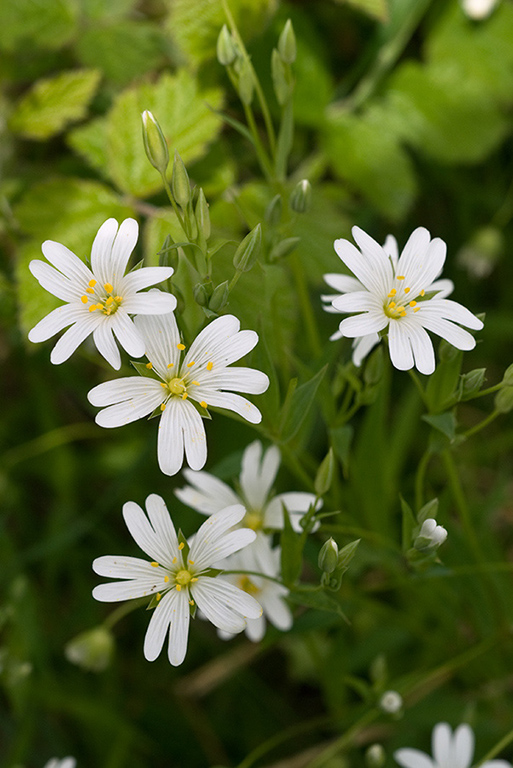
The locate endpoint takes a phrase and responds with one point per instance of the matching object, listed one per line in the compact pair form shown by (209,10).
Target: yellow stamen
(109,301)
(178,587)
(203,404)
(163,385)
(403,314)
(181,545)
(191,562)
(400,277)
(174,560)
(189,365)
(149,366)
(163,407)
(195,579)
(158,596)
(210,366)
(185,396)
(407,290)
(91,283)
(191,602)
(422,293)
(166,579)
(119,299)
(413,303)
(154,564)
(392,293)
(108,287)
(92,307)
(195,382)
(89,290)
(392,304)
(416,309)
(400,309)
(170,365)
(84,299)
(181,346)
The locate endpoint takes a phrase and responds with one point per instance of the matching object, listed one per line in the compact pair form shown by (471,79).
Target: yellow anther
(195,382)
(403,314)
(92,307)
(91,283)
(191,562)
(191,602)
(392,304)
(118,299)
(180,346)
(185,396)
(170,365)
(400,277)
(178,587)
(195,578)
(158,596)
(149,366)
(162,406)
(181,545)
(400,309)
(108,287)
(210,366)
(166,579)
(189,365)
(422,293)
(154,564)
(392,293)
(163,385)
(84,299)
(89,290)
(174,560)
(416,309)
(203,404)
(407,290)
(413,303)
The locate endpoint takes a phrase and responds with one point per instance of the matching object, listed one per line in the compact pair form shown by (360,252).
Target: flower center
(108,304)
(183,577)
(253,520)
(398,301)
(247,585)
(176,386)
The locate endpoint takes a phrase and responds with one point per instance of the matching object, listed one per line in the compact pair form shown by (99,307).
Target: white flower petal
(239,379)
(359,266)
(442,287)
(73,337)
(362,345)
(123,567)
(215,606)
(343,283)
(151,303)
(236,403)
(255,629)
(257,476)
(413,758)
(276,609)
(55,321)
(413,257)
(126,388)
(206,493)
(162,616)
(357,301)
(205,549)
(212,552)
(463,746)
(179,629)
(161,336)
(452,310)
(400,347)
(381,265)
(362,325)
(131,589)
(221,343)
(122,248)
(391,249)
(143,278)
(194,437)
(106,345)
(452,333)
(170,446)
(421,345)
(127,334)
(297,504)
(441,743)
(146,537)
(496,764)
(162,524)
(101,251)
(53,282)
(67,262)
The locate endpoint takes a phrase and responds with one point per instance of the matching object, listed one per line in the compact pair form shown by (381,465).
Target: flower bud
(470,383)
(287,44)
(508,376)
(430,536)
(168,257)
(478,9)
(202,293)
(324,476)
(301,196)
(273,211)
(246,82)
(284,248)
(249,250)
(219,297)
(91,650)
(281,78)
(202,215)
(346,554)
(391,702)
(504,400)
(226,48)
(155,143)
(180,184)
(375,756)
(328,556)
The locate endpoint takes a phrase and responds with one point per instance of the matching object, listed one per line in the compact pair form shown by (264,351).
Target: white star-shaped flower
(178,575)
(66,762)
(450,750)
(399,294)
(260,558)
(201,376)
(101,298)
(207,494)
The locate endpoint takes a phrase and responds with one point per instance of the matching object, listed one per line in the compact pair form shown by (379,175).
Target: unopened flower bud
(202,294)
(284,248)
(508,376)
(202,215)
(504,400)
(273,211)
(346,554)
(430,536)
(91,650)
(324,476)
(471,382)
(287,43)
(328,556)
(478,9)
(301,196)
(480,255)
(391,702)
(375,756)
(219,297)
(249,250)
(155,143)
(281,78)
(226,48)
(246,83)
(180,184)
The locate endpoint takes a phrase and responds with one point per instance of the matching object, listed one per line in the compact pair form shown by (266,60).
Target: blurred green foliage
(402,118)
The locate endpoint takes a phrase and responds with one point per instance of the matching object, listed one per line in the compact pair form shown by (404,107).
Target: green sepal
(139,265)
(153,602)
(192,609)
(324,476)
(346,554)
(185,549)
(212,572)
(203,412)
(143,371)
(155,413)
(443,422)
(430,509)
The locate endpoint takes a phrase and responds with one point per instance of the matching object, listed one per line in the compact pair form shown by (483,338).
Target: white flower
(178,578)
(200,376)
(391,702)
(261,558)
(99,299)
(478,9)
(207,494)
(397,294)
(66,762)
(450,750)
(430,535)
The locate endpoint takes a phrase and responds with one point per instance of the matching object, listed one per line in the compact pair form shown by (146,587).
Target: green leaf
(90,141)
(179,105)
(444,381)
(409,523)
(52,104)
(292,545)
(377,9)
(324,476)
(316,598)
(365,151)
(141,43)
(194,27)
(341,438)
(50,23)
(443,422)
(301,402)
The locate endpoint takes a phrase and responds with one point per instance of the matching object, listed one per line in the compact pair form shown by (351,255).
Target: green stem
(49,441)
(234,280)
(496,749)
(265,164)
(488,391)
(123,611)
(344,741)
(419,479)
(175,206)
(482,424)
(281,737)
(312,332)
(254,573)
(415,379)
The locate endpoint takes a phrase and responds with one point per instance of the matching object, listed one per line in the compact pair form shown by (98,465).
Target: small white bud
(478,9)
(430,535)
(391,702)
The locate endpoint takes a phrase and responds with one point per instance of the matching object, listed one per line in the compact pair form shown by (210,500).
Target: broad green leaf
(49,23)
(443,422)
(302,400)
(181,108)
(444,114)
(444,381)
(141,44)
(364,151)
(378,9)
(54,103)
(195,26)
(90,141)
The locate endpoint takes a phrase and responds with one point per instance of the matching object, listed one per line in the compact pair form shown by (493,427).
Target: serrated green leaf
(194,27)
(301,402)
(179,105)
(141,43)
(365,151)
(50,23)
(52,104)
